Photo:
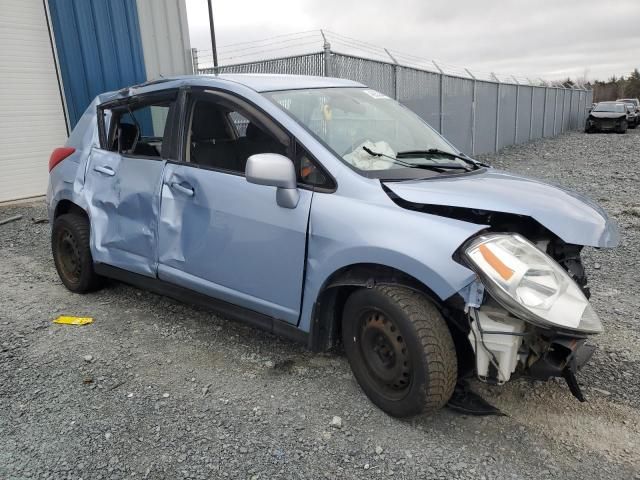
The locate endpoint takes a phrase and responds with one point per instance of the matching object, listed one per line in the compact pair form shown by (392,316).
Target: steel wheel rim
(69,256)
(385,354)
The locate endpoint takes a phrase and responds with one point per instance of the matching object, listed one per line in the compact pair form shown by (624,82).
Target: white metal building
(56,55)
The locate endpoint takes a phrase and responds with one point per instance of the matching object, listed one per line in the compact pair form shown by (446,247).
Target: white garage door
(31,113)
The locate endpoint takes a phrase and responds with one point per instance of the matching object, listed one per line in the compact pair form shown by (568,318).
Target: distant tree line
(616,87)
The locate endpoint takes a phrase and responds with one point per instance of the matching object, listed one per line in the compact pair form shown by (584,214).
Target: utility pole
(213,38)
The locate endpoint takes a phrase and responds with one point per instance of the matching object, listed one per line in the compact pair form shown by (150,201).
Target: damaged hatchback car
(326,212)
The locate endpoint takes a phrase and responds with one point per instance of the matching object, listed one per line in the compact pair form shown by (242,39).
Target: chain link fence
(476,114)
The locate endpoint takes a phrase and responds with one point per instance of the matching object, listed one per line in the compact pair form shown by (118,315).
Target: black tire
(623,127)
(400,350)
(72,255)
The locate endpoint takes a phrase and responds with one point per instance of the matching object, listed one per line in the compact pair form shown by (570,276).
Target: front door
(123,182)
(222,236)
(229,239)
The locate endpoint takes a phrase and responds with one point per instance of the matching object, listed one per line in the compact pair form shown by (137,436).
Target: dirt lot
(157,389)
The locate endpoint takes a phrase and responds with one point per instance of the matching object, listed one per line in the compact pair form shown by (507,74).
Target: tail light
(58,155)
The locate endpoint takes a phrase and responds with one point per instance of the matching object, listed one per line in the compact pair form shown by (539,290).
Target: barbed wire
(300,43)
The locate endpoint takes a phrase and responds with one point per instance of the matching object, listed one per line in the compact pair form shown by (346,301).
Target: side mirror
(274,170)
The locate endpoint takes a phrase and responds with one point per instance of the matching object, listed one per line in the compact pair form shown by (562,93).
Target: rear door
(220,235)
(123,181)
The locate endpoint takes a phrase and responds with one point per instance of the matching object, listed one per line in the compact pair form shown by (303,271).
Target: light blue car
(324,211)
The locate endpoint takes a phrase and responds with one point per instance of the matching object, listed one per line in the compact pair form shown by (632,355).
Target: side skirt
(184,295)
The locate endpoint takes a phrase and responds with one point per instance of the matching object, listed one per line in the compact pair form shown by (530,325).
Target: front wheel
(400,350)
(623,127)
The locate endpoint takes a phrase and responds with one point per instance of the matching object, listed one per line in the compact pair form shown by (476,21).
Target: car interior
(220,138)
(140,131)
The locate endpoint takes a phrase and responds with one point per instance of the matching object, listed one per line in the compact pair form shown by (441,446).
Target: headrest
(256,133)
(208,123)
(128,134)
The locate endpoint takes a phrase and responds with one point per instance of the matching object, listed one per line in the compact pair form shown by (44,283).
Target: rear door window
(141,129)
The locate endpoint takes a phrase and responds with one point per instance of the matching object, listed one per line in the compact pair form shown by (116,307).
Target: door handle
(105,170)
(188,191)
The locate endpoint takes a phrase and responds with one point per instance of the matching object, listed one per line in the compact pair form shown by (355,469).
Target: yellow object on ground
(64,320)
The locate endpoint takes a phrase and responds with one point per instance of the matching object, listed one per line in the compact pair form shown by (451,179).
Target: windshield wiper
(437,151)
(430,166)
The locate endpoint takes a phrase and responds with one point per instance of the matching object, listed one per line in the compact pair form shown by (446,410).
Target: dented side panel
(225,237)
(347,231)
(123,197)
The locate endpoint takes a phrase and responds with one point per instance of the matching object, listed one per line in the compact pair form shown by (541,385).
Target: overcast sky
(538,38)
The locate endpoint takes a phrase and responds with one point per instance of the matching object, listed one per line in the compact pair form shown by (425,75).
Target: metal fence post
(441,97)
(326,48)
(533,93)
(544,110)
(497,111)
(194,60)
(571,109)
(515,130)
(584,107)
(395,74)
(564,97)
(473,112)
(555,109)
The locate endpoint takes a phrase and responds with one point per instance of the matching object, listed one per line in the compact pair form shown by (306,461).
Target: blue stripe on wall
(99,49)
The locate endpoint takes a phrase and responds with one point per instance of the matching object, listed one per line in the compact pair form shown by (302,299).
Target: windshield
(366,129)
(609,107)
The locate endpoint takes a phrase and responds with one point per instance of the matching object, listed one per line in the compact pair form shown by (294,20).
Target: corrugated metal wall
(486,114)
(524,113)
(420,91)
(378,75)
(458,111)
(99,48)
(537,112)
(165,37)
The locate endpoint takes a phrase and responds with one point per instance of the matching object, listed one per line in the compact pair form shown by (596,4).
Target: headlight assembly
(530,284)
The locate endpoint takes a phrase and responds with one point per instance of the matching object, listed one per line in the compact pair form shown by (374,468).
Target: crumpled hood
(572,217)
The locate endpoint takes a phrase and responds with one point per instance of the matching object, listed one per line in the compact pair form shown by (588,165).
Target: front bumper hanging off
(564,357)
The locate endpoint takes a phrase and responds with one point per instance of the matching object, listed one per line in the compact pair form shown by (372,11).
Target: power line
(269,50)
(264,39)
(278,42)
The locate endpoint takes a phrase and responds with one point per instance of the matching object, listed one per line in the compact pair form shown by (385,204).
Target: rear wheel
(71,253)
(400,350)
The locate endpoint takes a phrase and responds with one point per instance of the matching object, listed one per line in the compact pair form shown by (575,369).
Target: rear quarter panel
(66,180)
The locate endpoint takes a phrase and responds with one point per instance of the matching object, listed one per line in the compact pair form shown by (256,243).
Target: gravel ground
(157,389)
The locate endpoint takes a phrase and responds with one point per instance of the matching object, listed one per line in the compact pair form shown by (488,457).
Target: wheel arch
(327,311)
(67,206)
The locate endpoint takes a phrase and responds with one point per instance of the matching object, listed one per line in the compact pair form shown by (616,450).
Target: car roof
(268,82)
(260,82)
